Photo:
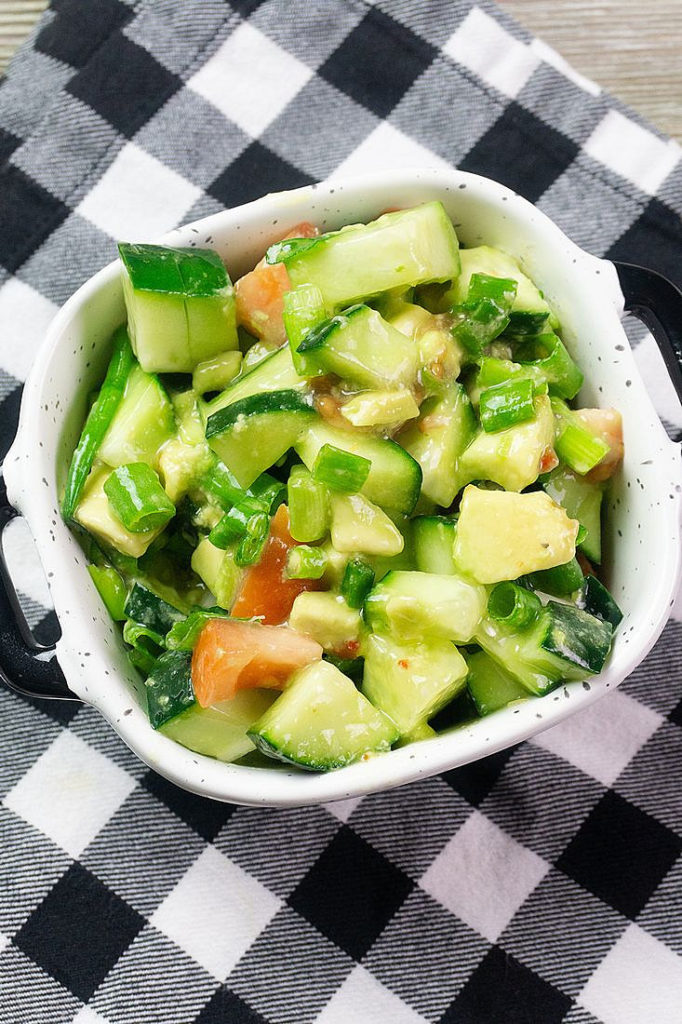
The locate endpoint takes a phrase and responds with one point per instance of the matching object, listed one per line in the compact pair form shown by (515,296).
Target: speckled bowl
(642,539)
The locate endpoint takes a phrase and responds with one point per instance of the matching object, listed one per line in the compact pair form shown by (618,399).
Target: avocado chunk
(512,457)
(326,617)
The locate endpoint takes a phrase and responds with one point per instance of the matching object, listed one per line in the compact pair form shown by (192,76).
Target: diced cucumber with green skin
(595,599)
(361,347)
(484,259)
(147,608)
(502,535)
(219,571)
(413,606)
(583,501)
(511,458)
(180,303)
(321,721)
(220,730)
(169,687)
(326,617)
(360,525)
(216,373)
(143,422)
(438,440)
(274,373)
(303,310)
(398,250)
(395,477)
(434,544)
(250,435)
(490,686)
(94,513)
(411,682)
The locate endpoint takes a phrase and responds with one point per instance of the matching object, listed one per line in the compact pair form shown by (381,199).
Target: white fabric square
(215,912)
(483,876)
(342,809)
(250,79)
(138,198)
(363,998)
(25,314)
(4,941)
(633,152)
(639,981)
(387,148)
(560,64)
(602,740)
(86,1015)
(70,793)
(484,47)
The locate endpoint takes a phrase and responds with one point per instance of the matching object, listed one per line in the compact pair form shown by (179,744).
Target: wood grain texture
(631,48)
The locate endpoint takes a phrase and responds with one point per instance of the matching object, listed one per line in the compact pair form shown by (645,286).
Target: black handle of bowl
(657,302)
(26,666)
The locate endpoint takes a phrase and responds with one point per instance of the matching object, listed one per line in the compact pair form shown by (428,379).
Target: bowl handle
(657,302)
(25,665)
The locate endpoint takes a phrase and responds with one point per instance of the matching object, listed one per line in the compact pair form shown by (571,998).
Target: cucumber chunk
(434,544)
(411,682)
(322,722)
(502,535)
(274,373)
(150,610)
(180,303)
(143,422)
(438,439)
(582,500)
(490,686)
(359,346)
(359,525)
(512,457)
(218,570)
(425,605)
(398,250)
(250,435)
(394,478)
(169,687)
(220,730)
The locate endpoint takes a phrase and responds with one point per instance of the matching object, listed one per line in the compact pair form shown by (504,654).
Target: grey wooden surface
(631,48)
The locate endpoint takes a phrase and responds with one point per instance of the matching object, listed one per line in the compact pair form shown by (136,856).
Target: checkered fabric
(540,885)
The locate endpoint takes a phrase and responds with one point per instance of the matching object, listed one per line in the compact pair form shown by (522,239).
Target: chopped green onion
(98,420)
(596,599)
(216,373)
(146,645)
(220,484)
(485,314)
(358,580)
(513,605)
(575,444)
(564,377)
(305,563)
(252,543)
(501,290)
(559,581)
(111,589)
(270,491)
(233,526)
(496,371)
(137,498)
(505,404)
(582,534)
(341,470)
(309,512)
(303,310)
(183,635)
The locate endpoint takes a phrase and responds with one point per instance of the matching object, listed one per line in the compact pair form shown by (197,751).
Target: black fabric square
(79,931)
(377,62)
(62,711)
(620,854)
(655,239)
(350,893)
(475,780)
(28,214)
(9,416)
(502,989)
(226,1007)
(522,152)
(77,29)
(676,714)
(125,85)
(256,170)
(8,143)
(206,817)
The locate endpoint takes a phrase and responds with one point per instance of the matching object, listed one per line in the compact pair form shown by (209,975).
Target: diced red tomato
(232,656)
(548,460)
(265,591)
(260,294)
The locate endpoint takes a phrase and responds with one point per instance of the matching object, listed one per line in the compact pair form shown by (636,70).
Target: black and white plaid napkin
(543,884)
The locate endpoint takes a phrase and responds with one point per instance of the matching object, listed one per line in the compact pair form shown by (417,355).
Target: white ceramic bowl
(642,542)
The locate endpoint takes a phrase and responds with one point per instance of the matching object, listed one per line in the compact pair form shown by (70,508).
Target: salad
(347,502)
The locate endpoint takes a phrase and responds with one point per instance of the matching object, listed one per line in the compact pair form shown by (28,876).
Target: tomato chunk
(260,294)
(266,592)
(232,656)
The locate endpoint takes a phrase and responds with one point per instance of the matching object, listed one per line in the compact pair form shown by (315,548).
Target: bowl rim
(288,786)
